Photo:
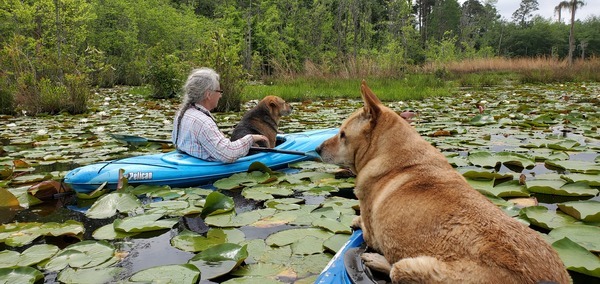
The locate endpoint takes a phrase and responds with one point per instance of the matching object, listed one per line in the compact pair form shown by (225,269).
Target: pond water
(544,123)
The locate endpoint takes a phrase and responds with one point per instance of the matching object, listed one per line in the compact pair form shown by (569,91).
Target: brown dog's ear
(372,106)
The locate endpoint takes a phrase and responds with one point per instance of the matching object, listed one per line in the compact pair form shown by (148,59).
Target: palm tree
(558,11)
(572,6)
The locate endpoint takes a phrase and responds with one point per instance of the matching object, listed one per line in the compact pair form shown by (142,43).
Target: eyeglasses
(219,91)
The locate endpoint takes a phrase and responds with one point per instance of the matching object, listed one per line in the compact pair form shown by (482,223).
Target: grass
(300,89)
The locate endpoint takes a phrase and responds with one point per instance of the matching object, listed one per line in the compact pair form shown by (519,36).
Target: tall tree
(572,6)
(525,11)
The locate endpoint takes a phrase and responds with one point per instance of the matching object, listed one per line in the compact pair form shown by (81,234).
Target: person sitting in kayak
(195,131)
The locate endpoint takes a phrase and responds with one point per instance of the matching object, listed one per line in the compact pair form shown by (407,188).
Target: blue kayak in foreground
(346,267)
(176,169)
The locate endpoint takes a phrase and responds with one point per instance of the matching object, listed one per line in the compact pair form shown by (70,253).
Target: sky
(546,9)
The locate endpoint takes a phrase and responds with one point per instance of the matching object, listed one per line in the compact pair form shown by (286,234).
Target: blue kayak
(346,267)
(176,169)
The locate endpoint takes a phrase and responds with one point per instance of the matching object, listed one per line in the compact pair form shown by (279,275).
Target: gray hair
(198,82)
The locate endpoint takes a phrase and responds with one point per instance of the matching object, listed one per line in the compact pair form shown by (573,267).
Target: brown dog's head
(276,106)
(354,142)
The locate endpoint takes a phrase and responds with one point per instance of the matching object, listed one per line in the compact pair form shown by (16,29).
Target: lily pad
(219,260)
(108,205)
(91,275)
(576,166)
(177,273)
(20,275)
(242,179)
(144,223)
(577,258)
(194,242)
(587,210)
(542,217)
(292,235)
(584,235)
(217,203)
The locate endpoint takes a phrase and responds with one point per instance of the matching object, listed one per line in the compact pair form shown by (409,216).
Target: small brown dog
(263,119)
(426,222)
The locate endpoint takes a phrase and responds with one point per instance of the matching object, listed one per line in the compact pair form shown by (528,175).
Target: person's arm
(220,147)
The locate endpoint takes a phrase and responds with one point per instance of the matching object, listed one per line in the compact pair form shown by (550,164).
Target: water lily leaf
(242,179)
(482,159)
(194,242)
(284,203)
(332,225)
(182,273)
(575,166)
(217,203)
(577,258)
(510,188)
(252,280)
(244,219)
(219,260)
(108,205)
(480,120)
(108,232)
(584,235)
(472,174)
(20,234)
(91,275)
(65,258)
(307,246)
(515,159)
(567,144)
(542,217)
(144,223)
(7,199)
(9,258)
(20,275)
(479,184)
(298,178)
(309,264)
(258,166)
(265,193)
(334,243)
(36,254)
(591,180)
(259,269)
(560,187)
(585,210)
(287,237)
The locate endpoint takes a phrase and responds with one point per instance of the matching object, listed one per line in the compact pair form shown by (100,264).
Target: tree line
(54,51)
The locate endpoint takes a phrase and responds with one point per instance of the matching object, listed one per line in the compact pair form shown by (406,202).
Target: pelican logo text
(139,176)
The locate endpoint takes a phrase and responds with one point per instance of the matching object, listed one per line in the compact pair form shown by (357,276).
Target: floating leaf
(544,218)
(336,242)
(590,179)
(217,203)
(292,235)
(194,242)
(577,258)
(584,235)
(108,232)
(144,223)
(108,205)
(510,188)
(219,260)
(587,210)
(36,254)
(242,179)
(20,275)
(332,225)
(7,199)
(183,273)
(91,275)
(576,166)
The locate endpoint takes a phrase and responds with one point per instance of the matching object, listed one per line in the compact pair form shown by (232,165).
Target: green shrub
(164,77)
(78,90)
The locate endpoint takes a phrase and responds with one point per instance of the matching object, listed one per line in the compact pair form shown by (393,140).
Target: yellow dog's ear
(373,105)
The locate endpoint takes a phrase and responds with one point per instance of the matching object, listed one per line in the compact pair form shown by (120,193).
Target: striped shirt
(200,137)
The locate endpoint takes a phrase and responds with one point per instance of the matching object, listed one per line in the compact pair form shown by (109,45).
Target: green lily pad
(20,234)
(336,242)
(590,179)
(108,205)
(36,254)
(510,188)
(560,187)
(542,217)
(9,258)
(194,242)
(481,120)
(217,203)
(219,260)
(577,258)
(576,166)
(108,232)
(20,275)
(307,246)
(252,280)
(587,211)
(287,237)
(584,235)
(91,275)
(85,254)
(242,179)
(332,225)
(177,273)
(232,220)
(144,223)
(259,269)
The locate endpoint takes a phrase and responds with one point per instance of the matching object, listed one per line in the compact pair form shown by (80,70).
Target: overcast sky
(546,8)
